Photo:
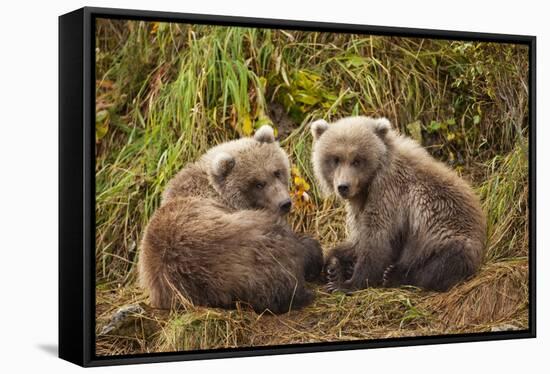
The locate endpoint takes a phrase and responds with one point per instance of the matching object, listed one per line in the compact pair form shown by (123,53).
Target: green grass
(168,92)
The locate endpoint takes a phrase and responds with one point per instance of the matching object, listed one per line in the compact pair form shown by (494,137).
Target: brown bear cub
(411,220)
(220,237)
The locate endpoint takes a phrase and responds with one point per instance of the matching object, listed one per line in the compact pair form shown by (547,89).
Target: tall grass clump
(166,92)
(505,195)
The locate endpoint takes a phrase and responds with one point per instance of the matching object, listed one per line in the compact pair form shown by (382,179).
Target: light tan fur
(411,220)
(220,238)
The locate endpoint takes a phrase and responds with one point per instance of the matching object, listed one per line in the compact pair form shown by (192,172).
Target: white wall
(28,183)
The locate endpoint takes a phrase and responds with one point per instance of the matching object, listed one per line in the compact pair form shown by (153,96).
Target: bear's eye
(356,162)
(260,185)
(277,174)
(336,160)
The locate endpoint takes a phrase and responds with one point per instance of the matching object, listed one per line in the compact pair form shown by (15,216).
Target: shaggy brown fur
(411,220)
(219,237)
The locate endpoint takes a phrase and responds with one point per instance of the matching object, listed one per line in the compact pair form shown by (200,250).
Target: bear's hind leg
(439,272)
(292,299)
(303,297)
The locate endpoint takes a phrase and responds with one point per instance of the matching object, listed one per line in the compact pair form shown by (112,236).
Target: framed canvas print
(236,186)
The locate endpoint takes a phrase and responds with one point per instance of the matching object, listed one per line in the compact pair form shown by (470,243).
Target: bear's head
(252,173)
(348,153)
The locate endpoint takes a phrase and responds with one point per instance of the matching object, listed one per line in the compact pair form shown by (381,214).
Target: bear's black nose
(285,206)
(343,189)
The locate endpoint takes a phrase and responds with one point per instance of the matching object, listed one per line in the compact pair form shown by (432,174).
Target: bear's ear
(222,164)
(265,134)
(381,126)
(318,128)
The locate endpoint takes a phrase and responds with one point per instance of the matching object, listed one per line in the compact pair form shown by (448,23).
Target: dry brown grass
(496,298)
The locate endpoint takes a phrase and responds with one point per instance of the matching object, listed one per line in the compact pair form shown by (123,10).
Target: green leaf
(263,120)
(355,61)
(306,98)
(102,121)
(434,126)
(415,129)
(263,83)
(477,119)
(306,80)
(355,111)
(329,96)
(101,115)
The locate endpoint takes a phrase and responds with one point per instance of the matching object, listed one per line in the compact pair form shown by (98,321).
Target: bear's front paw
(333,270)
(313,259)
(338,274)
(346,287)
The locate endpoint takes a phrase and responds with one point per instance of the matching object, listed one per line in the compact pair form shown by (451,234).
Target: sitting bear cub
(411,220)
(220,238)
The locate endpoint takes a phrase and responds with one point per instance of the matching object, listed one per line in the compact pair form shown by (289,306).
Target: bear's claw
(386,275)
(331,287)
(332,275)
(344,287)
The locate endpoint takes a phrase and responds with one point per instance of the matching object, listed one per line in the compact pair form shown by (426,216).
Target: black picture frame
(77,187)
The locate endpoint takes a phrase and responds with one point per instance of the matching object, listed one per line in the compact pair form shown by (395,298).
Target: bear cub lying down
(220,236)
(411,220)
